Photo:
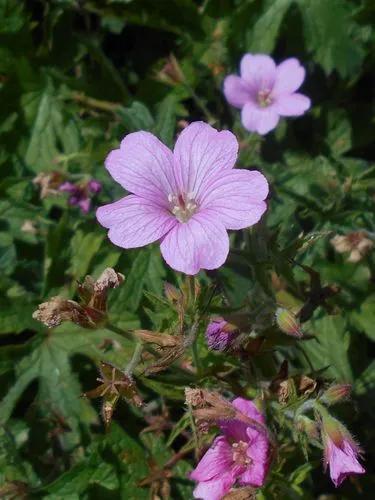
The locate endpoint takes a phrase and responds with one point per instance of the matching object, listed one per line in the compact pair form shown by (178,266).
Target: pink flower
(240,454)
(220,334)
(80,194)
(265,91)
(186,199)
(340,451)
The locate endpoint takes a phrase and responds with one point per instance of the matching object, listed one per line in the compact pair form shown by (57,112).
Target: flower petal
(236,91)
(258,452)
(216,488)
(216,460)
(292,105)
(260,120)
(259,71)
(200,243)
(343,462)
(144,166)
(236,197)
(202,151)
(134,221)
(289,77)
(248,408)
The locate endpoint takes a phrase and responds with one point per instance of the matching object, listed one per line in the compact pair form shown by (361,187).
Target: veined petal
(260,120)
(202,151)
(259,71)
(216,460)
(144,166)
(200,243)
(289,77)
(216,488)
(343,462)
(236,197)
(236,91)
(292,105)
(248,408)
(237,429)
(258,452)
(134,221)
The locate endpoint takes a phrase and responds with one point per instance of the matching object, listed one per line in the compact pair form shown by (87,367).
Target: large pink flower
(240,454)
(187,198)
(265,91)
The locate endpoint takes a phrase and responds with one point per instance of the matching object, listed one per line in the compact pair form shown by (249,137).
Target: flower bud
(336,393)
(220,334)
(308,426)
(288,322)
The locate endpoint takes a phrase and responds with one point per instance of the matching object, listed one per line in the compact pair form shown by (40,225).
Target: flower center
(239,453)
(182,206)
(264,98)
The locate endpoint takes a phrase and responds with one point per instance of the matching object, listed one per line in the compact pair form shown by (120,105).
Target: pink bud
(288,322)
(336,393)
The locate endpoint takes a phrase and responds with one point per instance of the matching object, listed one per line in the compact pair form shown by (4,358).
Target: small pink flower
(240,454)
(265,91)
(80,194)
(340,451)
(187,199)
(220,334)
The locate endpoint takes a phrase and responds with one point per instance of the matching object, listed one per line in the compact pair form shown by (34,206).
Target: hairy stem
(136,358)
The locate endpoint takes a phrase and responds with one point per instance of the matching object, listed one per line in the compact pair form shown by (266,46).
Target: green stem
(198,101)
(136,358)
(125,333)
(191,288)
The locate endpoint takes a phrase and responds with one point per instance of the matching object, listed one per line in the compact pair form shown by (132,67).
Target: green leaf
(364,318)
(166,119)
(49,363)
(331,348)
(329,29)
(137,117)
(263,35)
(179,427)
(84,247)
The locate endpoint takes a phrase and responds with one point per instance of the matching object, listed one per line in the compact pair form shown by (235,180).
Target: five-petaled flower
(241,454)
(187,198)
(265,91)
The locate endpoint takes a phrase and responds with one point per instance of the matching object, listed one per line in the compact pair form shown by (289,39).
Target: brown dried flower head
(90,313)
(356,244)
(48,183)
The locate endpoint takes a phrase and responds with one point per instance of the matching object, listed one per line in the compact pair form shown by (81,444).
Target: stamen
(264,98)
(239,455)
(182,206)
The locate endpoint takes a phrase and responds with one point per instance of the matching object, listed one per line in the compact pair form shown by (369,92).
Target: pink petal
(260,120)
(249,409)
(258,452)
(216,460)
(343,462)
(236,429)
(202,151)
(292,105)
(236,197)
(289,77)
(144,166)
(200,243)
(236,91)
(216,488)
(134,221)
(259,71)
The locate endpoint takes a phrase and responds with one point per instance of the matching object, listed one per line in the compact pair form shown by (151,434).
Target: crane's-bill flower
(264,91)
(340,451)
(241,454)
(187,198)
(220,334)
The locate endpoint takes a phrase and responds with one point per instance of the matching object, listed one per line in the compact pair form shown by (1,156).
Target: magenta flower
(220,334)
(186,199)
(264,91)
(340,451)
(241,454)
(80,194)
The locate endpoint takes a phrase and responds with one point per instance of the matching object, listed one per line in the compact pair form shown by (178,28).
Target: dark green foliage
(75,77)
